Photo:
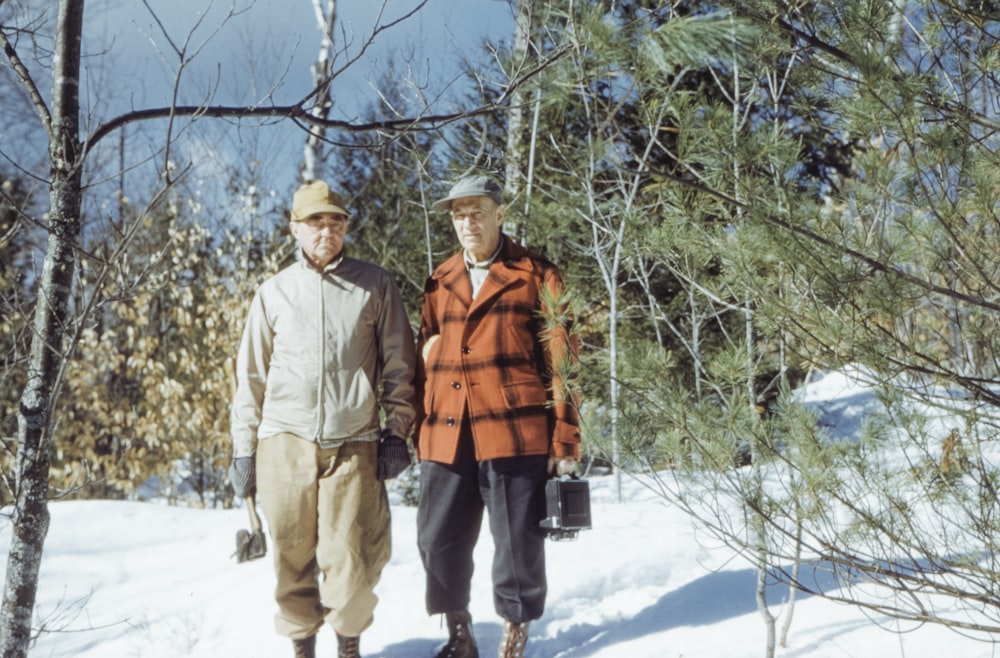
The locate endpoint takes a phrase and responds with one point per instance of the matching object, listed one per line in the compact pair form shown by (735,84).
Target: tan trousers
(328,517)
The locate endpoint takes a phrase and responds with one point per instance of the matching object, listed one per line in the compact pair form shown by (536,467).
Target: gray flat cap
(466,187)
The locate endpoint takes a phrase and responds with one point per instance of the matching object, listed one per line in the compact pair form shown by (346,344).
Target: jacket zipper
(320,415)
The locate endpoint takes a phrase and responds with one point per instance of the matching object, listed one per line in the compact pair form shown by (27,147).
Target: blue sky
(266,37)
(265,50)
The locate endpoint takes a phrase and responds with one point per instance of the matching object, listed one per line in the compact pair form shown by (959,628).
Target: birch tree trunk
(322,100)
(514,155)
(31,513)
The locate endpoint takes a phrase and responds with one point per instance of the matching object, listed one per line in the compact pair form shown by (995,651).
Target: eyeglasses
(474,216)
(320,222)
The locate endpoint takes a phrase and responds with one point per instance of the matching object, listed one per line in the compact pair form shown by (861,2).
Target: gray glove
(243,476)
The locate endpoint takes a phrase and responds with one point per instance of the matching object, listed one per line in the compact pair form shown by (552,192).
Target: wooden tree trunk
(31,513)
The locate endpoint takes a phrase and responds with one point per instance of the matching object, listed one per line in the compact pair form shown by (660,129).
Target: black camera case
(567,508)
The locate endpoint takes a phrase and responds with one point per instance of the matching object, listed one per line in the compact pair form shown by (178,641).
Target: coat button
(456,385)
(466,350)
(450,422)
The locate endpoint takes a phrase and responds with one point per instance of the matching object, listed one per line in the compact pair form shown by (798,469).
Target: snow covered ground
(141,579)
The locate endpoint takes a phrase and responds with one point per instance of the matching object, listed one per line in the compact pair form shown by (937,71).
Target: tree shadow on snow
(706,601)
(844,417)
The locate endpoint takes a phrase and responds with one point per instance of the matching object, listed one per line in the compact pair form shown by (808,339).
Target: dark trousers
(452,499)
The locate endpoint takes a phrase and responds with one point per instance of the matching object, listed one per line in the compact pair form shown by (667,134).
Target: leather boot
(513,640)
(305,648)
(348,647)
(461,641)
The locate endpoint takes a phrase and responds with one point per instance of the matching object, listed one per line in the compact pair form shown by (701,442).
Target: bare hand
(560,466)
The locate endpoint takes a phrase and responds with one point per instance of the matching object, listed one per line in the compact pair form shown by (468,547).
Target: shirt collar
(482,265)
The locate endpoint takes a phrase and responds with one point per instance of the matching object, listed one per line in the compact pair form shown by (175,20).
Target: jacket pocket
(524,393)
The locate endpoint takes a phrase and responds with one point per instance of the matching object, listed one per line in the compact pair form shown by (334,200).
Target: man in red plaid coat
(497,418)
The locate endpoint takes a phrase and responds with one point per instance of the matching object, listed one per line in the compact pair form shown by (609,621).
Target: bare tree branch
(29,84)
(299,112)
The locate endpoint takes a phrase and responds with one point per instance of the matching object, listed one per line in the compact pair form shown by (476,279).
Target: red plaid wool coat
(500,358)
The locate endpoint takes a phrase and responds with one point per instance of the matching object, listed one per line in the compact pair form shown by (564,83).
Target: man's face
(477,221)
(321,237)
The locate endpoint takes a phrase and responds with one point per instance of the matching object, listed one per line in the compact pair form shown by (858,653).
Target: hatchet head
(250,545)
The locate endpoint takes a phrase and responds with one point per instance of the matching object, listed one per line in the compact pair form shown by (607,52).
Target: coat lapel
(495,282)
(456,280)
(505,270)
